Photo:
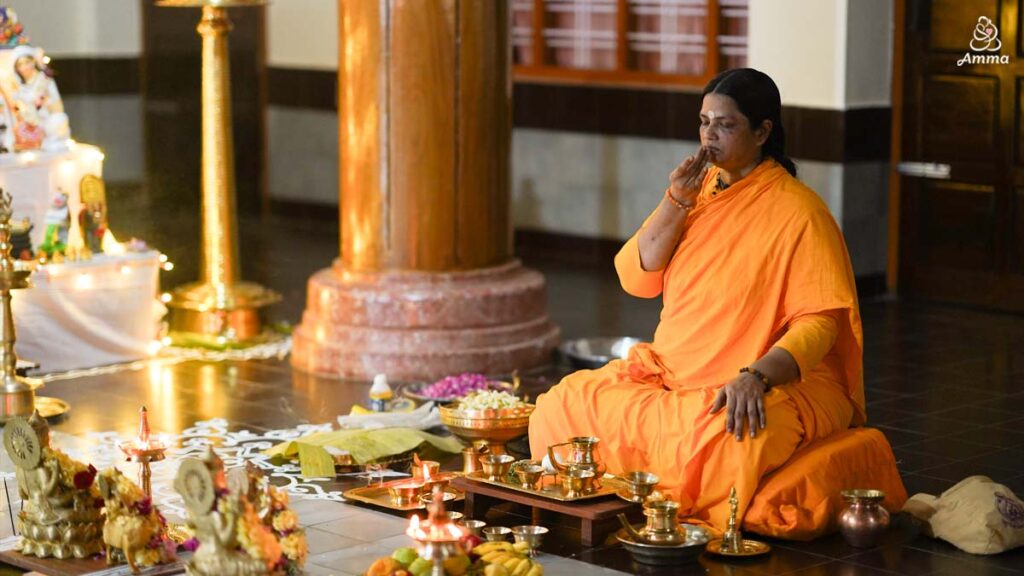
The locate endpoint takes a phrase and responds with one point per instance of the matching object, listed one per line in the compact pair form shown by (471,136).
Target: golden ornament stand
(19,392)
(219,310)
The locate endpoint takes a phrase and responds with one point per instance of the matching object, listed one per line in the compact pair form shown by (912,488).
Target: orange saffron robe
(753,259)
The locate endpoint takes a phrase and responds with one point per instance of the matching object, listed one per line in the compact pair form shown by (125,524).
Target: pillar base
(424,325)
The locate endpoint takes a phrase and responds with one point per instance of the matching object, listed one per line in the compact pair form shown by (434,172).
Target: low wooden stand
(597,516)
(77,567)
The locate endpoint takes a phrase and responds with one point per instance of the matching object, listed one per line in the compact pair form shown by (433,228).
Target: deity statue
(232,539)
(59,516)
(135,531)
(35,104)
(93,217)
(271,507)
(58,219)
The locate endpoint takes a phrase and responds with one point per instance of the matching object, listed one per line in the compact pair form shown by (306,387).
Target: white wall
(303,34)
(93,28)
(801,44)
(869,44)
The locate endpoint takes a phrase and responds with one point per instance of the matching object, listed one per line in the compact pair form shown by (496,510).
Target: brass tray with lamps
(379,494)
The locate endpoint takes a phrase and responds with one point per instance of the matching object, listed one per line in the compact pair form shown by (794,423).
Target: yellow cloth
(752,260)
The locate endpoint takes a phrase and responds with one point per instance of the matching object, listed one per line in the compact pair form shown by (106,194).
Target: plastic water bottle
(380,393)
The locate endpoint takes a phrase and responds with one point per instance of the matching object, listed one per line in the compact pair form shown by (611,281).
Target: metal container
(864,520)
(596,352)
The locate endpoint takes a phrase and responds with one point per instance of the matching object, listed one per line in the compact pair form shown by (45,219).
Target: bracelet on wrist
(757,374)
(676,203)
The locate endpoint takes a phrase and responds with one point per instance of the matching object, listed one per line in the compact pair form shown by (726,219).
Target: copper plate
(550,488)
(750,548)
(378,495)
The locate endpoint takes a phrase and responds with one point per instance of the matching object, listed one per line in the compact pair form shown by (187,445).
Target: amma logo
(985,39)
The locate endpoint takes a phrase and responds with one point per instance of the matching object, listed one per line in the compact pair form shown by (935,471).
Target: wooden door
(959,155)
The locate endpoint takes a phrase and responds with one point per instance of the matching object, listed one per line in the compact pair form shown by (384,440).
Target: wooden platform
(597,517)
(94,566)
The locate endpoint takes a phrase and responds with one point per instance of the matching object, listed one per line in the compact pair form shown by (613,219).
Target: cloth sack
(977,515)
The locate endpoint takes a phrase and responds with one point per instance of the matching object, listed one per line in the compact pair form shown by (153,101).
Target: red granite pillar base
(422,325)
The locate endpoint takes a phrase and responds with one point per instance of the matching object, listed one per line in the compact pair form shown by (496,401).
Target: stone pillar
(426,284)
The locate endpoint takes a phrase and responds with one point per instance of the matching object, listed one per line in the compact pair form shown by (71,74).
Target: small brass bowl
(474,526)
(496,466)
(577,482)
(426,469)
(528,475)
(532,535)
(496,533)
(640,485)
(402,494)
(453,515)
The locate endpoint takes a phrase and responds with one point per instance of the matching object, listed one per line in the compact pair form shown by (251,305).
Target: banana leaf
(365,446)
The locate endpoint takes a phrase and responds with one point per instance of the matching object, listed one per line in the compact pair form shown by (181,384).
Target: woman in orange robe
(759,347)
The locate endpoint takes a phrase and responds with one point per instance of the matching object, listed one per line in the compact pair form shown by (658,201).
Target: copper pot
(864,520)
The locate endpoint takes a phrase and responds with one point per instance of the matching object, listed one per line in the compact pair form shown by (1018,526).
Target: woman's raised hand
(687,178)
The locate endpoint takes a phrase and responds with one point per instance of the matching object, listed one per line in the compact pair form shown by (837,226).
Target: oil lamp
(438,537)
(143,449)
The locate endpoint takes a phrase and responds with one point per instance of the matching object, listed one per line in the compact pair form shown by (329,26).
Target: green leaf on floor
(365,446)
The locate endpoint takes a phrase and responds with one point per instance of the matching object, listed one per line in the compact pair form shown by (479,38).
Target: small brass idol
(59,516)
(233,539)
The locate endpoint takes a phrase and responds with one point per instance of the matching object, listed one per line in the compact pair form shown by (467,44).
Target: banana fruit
(510,557)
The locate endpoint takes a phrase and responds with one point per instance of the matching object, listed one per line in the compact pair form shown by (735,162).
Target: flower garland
(258,541)
(285,524)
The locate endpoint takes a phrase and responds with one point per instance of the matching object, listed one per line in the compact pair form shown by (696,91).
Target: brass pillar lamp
(220,309)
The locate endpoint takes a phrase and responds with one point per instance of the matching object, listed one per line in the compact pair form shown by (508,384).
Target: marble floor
(945,384)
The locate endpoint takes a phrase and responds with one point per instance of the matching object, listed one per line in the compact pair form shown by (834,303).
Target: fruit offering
(407,562)
(505,559)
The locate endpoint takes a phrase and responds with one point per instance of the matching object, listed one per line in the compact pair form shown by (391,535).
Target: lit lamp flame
(144,449)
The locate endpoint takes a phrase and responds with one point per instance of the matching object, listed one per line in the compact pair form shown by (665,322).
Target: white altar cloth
(90,313)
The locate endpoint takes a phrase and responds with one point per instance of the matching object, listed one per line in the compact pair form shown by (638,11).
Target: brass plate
(750,548)
(662,554)
(550,488)
(50,407)
(378,496)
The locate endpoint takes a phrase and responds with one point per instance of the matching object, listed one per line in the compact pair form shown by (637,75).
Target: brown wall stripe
(295,88)
(854,135)
(78,76)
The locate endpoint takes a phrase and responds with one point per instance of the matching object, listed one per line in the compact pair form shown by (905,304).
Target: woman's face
(26,67)
(727,134)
